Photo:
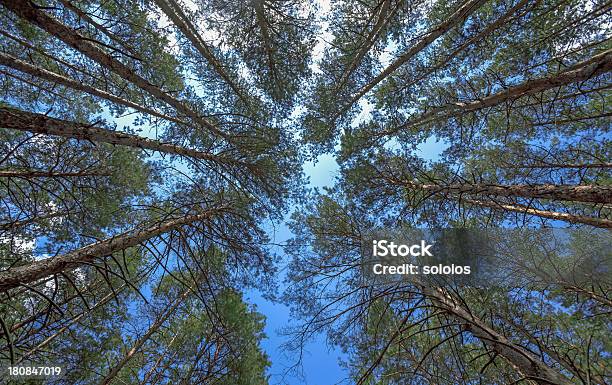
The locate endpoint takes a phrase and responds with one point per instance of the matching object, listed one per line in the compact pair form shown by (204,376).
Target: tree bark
(149,373)
(562,165)
(572,193)
(260,15)
(383,19)
(563,361)
(597,222)
(142,340)
(20,65)
(525,362)
(480,36)
(26,11)
(41,124)
(597,65)
(27,274)
(101,28)
(47,55)
(458,16)
(175,14)
(48,174)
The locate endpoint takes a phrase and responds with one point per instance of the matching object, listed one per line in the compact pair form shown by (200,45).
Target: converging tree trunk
(384,16)
(555,192)
(40,124)
(176,15)
(20,65)
(571,218)
(37,16)
(527,364)
(33,271)
(597,65)
(454,19)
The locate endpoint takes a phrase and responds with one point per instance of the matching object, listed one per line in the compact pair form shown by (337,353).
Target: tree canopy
(147,149)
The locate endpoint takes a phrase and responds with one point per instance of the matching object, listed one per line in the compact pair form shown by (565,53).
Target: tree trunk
(383,19)
(41,124)
(572,193)
(563,361)
(27,274)
(26,10)
(597,222)
(260,15)
(142,340)
(149,373)
(525,362)
(504,19)
(20,65)
(48,174)
(597,65)
(101,28)
(175,14)
(562,165)
(458,16)
(46,54)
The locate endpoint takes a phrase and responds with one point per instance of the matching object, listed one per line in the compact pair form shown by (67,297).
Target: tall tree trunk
(454,19)
(25,222)
(173,10)
(149,373)
(142,340)
(597,222)
(561,165)
(260,16)
(384,16)
(573,193)
(49,174)
(597,65)
(102,29)
(552,353)
(504,19)
(42,52)
(524,361)
(27,11)
(41,124)
(33,271)
(20,65)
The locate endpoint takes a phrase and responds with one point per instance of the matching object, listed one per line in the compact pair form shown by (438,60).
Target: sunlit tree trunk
(38,17)
(571,218)
(33,271)
(42,73)
(525,362)
(555,192)
(41,124)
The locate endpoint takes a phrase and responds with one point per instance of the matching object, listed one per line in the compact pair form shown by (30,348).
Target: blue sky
(320,364)
(320,361)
